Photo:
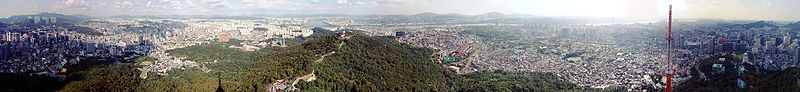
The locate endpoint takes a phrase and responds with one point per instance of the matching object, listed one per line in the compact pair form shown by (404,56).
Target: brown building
(223,37)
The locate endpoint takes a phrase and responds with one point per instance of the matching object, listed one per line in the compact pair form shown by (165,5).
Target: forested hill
(328,62)
(362,63)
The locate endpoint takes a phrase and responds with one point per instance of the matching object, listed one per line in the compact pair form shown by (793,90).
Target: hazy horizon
(774,10)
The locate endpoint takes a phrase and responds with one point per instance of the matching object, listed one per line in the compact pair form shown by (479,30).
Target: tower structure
(669,71)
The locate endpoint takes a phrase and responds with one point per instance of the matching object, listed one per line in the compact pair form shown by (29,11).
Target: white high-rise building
(53,20)
(14,36)
(786,42)
(36,19)
(7,36)
(746,58)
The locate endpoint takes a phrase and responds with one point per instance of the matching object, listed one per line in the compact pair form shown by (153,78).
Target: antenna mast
(669,51)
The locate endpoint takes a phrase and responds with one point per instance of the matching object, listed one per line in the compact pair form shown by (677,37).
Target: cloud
(761,9)
(68,1)
(742,9)
(216,4)
(148,3)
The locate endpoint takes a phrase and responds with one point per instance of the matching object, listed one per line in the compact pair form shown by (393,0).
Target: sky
(714,9)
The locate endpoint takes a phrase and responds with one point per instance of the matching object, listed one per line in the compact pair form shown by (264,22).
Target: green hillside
(374,64)
(326,63)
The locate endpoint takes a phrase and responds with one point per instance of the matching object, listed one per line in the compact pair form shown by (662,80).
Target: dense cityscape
(427,51)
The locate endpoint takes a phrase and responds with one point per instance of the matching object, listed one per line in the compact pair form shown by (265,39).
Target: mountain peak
(795,26)
(490,15)
(426,14)
(493,13)
(49,18)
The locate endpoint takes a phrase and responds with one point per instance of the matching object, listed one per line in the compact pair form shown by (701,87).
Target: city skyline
(399,45)
(779,10)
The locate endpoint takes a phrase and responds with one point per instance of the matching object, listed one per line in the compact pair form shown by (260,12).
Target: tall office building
(36,19)
(7,36)
(794,51)
(756,44)
(769,45)
(55,20)
(786,42)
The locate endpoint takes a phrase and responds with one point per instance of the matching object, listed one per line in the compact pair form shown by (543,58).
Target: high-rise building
(8,36)
(14,36)
(768,46)
(785,42)
(50,20)
(746,58)
(756,43)
(54,20)
(794,51)
(36,19)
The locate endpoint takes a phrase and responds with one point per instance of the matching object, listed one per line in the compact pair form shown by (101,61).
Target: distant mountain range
(44,18)
(490,15)
(484,16)
(745,25)
(425,15)
(759,24)
(794,26)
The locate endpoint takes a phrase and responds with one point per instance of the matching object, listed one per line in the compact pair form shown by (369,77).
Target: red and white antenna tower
(669,51)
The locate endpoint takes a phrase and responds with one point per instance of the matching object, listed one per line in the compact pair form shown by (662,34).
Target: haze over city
(399,45)
(781,10)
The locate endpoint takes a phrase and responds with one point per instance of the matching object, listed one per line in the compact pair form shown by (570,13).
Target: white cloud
(148,3)
(68,1)
(341,1)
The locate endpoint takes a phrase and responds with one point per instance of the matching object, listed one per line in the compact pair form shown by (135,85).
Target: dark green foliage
(376,64)
(322,45)
(714,82)
(118,77)
(219,51)
(320,32)
(47,82)
(785,80)
(210,52)
(362,63)
(83,30)
(290,62)
(28,83)
(512,81)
